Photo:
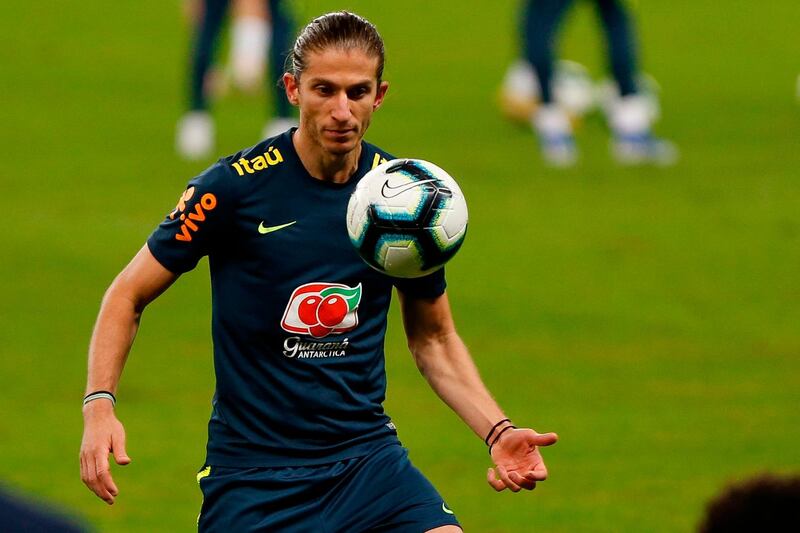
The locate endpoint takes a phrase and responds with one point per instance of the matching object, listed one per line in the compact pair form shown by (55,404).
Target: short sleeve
(195,226)
(429,286)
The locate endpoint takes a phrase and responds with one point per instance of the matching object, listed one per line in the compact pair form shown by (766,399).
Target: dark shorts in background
(381,492)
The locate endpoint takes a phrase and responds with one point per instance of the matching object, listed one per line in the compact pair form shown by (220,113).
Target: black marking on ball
(436,196)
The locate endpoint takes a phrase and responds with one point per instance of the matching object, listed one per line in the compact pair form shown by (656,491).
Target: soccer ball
(407,218)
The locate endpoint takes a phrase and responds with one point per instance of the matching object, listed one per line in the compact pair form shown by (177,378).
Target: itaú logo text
(319,309)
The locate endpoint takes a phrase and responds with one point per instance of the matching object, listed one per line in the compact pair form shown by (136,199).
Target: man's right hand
(102,434)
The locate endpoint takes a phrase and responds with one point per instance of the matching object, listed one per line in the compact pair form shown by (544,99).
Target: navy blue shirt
(298,319)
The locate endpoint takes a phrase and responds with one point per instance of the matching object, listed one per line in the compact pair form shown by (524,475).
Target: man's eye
(358,92)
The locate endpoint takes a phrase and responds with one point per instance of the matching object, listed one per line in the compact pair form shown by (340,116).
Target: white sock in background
(194,136)
(554,129)
(633,143)
(631,115)
(551,120)
(250,40)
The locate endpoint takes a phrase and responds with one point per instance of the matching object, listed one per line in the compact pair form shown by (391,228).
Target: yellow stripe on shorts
(203,473)
(200,475)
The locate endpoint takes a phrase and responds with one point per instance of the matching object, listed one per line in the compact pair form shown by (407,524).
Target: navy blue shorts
(382,492)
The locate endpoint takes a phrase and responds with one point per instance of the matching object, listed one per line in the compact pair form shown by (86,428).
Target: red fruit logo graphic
(319,309)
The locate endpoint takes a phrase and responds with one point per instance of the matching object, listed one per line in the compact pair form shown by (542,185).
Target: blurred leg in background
(541,21)
(255,42)
(195,134)
(282,38)
(621,44)
(250,35)
(630,116)
(550,95)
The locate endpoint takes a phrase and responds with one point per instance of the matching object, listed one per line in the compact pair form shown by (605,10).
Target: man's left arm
(444,361)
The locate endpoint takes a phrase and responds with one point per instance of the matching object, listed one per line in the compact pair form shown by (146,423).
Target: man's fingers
(506,479)
(84,477)
(538,474)
(103,435)
(104,478)
(90,471)
(511,480)
(493,481)
(523,481)
(544,439)
(95,483)
(118,448)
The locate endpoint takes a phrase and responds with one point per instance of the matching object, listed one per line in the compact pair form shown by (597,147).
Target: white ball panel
(357,216)
(402,260)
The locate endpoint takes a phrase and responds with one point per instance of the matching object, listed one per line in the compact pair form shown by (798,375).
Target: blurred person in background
(765,503)
(630,114)
(261,31)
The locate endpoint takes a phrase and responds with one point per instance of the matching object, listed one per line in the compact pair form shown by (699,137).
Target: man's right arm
(143,280)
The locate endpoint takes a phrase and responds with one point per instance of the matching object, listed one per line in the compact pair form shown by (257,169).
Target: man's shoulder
(260,160)
(376,155)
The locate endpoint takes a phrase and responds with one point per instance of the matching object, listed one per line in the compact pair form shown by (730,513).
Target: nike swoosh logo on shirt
(400,189)
(263,230)
(445,509)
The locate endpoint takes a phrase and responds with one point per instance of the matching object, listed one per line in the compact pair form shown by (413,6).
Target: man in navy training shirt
(298,438)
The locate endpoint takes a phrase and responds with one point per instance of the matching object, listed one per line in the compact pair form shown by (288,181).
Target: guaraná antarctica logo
(319,309)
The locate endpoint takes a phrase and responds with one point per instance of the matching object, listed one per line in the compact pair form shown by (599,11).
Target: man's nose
(341,107)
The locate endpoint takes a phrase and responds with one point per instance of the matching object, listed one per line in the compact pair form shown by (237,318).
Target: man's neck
(322,165)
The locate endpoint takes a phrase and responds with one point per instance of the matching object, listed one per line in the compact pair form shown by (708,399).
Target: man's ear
(382,88)
(290,82)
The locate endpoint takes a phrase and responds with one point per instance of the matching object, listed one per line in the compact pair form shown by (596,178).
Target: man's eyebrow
(326,81)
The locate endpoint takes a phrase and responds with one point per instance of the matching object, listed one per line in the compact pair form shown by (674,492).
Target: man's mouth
(339,132)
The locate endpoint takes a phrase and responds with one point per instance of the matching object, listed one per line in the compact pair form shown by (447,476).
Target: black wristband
(96,395)
(494,427)
(497,438)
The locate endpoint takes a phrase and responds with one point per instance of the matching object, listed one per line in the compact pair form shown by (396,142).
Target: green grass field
(650,316)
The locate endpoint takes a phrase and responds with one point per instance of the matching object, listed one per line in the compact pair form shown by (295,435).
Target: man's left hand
(519,464)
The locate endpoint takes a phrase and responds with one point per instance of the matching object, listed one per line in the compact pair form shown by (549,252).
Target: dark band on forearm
(494,428)
(497,438)
(97,395)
